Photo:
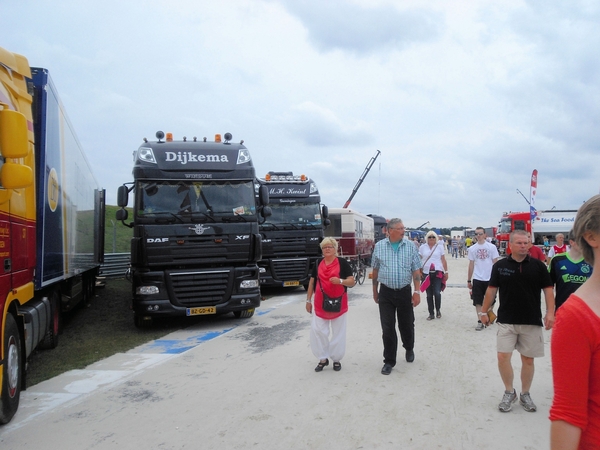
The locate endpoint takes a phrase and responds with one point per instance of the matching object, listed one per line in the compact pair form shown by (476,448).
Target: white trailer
(550,223)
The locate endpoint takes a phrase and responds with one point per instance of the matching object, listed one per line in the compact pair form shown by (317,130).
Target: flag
(532,193)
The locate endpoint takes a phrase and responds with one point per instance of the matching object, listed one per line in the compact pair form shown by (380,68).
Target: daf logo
(242,237)
(199,228)
(150,240)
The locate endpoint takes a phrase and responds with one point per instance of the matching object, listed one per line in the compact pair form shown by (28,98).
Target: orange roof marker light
(217,138)
(169,137)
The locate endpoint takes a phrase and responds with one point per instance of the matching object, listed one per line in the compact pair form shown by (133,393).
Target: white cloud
(464,99)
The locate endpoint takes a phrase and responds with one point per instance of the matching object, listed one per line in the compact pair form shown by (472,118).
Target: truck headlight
(249,284)
(146,290)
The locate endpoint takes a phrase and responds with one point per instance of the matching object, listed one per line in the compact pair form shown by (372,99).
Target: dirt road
(251,384)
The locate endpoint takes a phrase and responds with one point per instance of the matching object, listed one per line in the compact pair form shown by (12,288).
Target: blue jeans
(434,291)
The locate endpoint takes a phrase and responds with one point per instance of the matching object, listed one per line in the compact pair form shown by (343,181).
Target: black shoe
(337,366)
(387,369)
(439,315)
(431,317)
(321,365)
(410,355)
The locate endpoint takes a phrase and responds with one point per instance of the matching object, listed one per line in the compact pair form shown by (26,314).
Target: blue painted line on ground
(175,346)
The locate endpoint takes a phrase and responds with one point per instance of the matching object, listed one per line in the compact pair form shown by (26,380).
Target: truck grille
(202,288)
(290,269)
(186,250)
(288,245)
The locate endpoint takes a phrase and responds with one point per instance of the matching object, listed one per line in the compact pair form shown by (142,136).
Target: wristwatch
(481,314)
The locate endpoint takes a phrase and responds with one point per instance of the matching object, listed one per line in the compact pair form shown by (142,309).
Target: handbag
(330,304)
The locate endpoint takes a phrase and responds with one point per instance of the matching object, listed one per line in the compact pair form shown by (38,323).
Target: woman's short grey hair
(586,221)
(330,241)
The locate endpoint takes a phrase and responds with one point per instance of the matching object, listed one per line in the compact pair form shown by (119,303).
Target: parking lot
(242,384)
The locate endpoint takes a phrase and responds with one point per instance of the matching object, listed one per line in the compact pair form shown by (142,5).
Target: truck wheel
(51,338)
(244,314)
(142,321)
(11,376)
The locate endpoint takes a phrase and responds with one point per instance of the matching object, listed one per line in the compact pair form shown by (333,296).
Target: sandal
(439,315)
(337,366)
(431,317)
(321,365)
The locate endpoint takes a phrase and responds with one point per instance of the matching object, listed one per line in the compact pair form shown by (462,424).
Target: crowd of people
(571,291)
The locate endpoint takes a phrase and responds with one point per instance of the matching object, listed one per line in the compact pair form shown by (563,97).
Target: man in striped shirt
(396,263)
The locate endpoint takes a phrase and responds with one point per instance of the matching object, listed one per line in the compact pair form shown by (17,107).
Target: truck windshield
(505,226)
(204,197)
(295,214)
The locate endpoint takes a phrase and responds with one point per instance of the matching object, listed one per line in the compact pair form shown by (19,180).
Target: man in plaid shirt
(395,263)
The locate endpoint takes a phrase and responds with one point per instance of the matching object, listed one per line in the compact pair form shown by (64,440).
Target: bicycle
(359,270)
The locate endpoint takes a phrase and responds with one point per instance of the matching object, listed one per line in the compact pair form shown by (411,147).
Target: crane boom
(361,179)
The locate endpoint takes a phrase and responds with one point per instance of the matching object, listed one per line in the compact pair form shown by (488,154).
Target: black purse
(330,304)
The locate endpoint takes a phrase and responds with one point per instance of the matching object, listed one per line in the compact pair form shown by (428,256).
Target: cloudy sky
(463,98)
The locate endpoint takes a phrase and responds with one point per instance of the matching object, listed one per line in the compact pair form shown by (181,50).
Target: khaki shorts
(528,340)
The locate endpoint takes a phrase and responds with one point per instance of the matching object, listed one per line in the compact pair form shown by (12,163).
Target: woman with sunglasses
(433,262)
(332,276)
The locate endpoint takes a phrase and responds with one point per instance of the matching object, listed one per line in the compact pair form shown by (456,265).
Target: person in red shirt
(575,348)
(536,252)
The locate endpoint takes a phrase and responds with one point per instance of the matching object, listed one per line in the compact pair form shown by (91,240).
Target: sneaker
(527,403)
(479,326)
(507,400)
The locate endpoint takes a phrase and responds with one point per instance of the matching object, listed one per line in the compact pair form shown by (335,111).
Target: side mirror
(122,197)
(263,195)
(15,176)
(14,141)
(121,214)
(325,212)
(266,211)
(326,222)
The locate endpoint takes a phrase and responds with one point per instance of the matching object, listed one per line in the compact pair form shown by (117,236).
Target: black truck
(292,233)
(196,242)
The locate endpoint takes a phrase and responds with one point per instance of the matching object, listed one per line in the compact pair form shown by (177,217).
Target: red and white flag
(533,191)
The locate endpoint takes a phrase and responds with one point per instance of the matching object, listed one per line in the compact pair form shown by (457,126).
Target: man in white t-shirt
(482,256)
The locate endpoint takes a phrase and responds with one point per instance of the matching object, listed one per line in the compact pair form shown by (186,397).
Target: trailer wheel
(11,376)
(244,314)
(51,338)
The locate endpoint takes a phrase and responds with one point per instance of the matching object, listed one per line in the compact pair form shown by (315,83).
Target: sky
(464,99)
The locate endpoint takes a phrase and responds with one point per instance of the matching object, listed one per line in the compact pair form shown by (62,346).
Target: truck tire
(244,314)
(51,338)
(11,376)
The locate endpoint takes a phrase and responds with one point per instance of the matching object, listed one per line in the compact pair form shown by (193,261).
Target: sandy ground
(251,384)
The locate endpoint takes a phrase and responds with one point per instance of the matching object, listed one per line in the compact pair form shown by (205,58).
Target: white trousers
(320,344)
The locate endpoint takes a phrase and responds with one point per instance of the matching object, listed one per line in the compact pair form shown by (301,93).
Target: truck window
(519,225)
(189,197)
(296,214)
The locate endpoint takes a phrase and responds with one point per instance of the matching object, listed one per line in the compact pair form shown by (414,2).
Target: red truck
(546,224)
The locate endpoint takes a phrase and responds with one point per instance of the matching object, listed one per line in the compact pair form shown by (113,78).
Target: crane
(361,179)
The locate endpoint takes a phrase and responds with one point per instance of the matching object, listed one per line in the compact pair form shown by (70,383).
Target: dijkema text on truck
(51,220)
(292,234)
(196,242)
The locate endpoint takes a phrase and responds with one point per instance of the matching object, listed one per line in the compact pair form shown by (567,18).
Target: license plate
(201,311)
(291,283)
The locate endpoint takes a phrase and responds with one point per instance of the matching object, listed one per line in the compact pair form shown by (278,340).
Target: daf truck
(51,221)
(196,241)
(292,234)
